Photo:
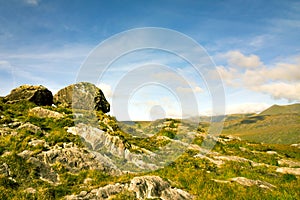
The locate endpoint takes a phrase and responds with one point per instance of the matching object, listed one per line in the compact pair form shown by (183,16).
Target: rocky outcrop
(220,160)
(30,127)
(100,193)
(144,187)
(44,171)
(112,146)
(287,162)
(44,113)
(288,170)
(72,158)
(75,159)
(155,187)
(39,95)
(249,182)
(82,95)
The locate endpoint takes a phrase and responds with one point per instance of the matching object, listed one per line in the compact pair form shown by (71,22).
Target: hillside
(275,125)
(57,152)
(277,110)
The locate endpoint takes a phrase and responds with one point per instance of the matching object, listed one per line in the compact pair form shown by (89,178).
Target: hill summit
(284,109)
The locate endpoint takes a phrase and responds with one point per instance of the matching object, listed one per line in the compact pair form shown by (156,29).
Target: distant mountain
(285,109)
(275,125)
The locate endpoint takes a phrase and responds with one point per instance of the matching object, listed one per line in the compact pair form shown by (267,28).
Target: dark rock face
(82,95)
(39,95)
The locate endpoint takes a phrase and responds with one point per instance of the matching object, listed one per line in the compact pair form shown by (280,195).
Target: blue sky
(254,44)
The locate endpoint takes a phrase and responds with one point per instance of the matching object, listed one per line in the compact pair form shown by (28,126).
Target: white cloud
(237,59)
(195,89)
(290,91)
(280,80)
(284,71)
(5,65)
(32,2)
(246,108)
(106,89)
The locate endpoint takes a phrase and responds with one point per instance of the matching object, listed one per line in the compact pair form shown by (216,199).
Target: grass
(192,174)
(273,129)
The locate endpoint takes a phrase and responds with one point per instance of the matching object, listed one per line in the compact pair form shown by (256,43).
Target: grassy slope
(287,109)
(189,173)
(277,124)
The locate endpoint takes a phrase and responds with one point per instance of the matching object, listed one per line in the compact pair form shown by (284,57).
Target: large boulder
(39,95)
(82,95)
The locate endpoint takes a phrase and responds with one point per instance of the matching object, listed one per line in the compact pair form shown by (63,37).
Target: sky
(254,47)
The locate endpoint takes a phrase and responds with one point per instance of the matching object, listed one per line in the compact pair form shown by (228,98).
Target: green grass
(278,110)
(187,172)
(276,129)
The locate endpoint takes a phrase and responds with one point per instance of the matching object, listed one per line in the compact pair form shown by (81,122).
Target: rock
(30,127)
(36,142)
(14,124)
(25,154)
(44,113)
(44,171)
(155,187)
(288,170)
(87,181)
(239,159)
(249,182)
(296,145)
(220,181)
(100,141)
(6,131)
(272,152)
(82,95)
(75,159)
(100,193)
(37,94)
(143,187)
(4,170)
(290,163)
(30,190)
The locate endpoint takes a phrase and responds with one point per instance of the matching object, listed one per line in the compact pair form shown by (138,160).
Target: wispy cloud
(32,2)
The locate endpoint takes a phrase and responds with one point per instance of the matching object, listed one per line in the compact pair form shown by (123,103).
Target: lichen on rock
(82,95)
(39,95)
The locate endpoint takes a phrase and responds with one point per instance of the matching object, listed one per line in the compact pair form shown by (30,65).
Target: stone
(155,187)
(39,95)
(295,145)
(14,124)
(87,181)
(4,170)
(272,152)
(44,171)
(25,154)
(75,159)
(100,193)
(288,170)
(44,113)
(100,141)
(36,142)
(290,163)
(30,127)
(83,95)
(30,190)
(249,182)
(143,187)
